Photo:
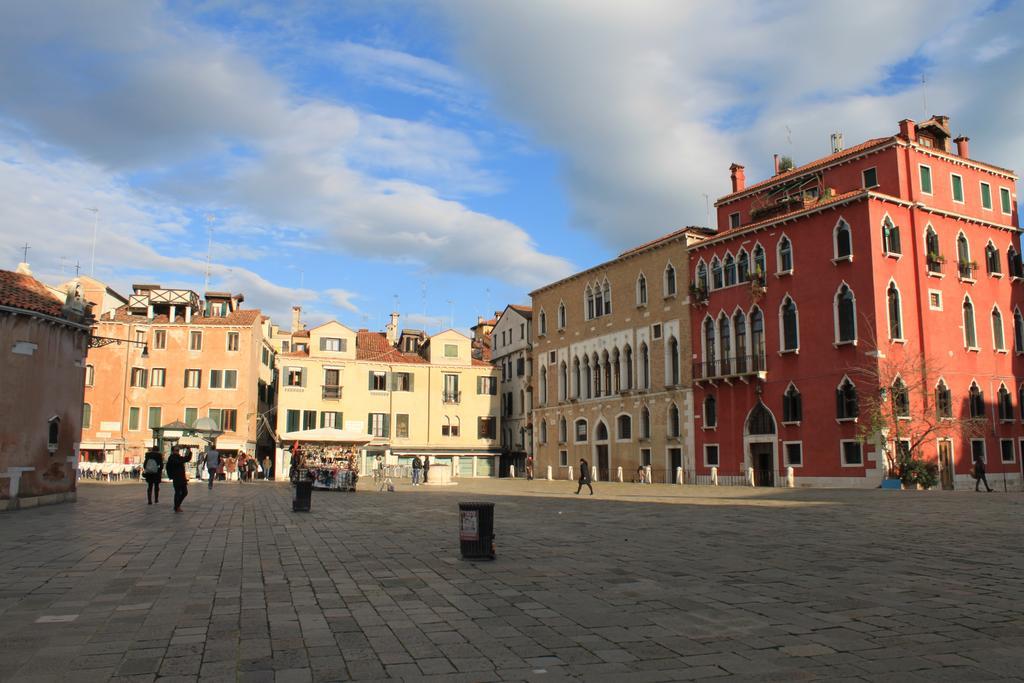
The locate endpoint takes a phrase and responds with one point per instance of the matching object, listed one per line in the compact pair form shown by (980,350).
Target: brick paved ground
(637,583)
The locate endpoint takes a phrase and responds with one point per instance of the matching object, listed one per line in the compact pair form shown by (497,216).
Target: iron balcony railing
(451,397)
(331,391)
(935,265)
(966,269)
(730,367)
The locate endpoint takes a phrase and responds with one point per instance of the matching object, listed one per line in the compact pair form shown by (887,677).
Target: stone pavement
(637,583)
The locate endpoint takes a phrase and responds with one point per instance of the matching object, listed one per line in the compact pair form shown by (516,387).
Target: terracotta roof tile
(24,292)
(374,346)
(244,318)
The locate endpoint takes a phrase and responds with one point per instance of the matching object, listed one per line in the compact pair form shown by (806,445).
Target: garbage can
(476,531)
(303,496)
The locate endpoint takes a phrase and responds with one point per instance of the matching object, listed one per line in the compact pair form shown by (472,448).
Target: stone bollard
(549,472)
(511,471)
(647,475)
(620,475)
(714,476)
(790,477)
(593,473)
(571,478)
(750,475)
(679,475)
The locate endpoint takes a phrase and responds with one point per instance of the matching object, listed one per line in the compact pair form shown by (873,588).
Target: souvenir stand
(330,456)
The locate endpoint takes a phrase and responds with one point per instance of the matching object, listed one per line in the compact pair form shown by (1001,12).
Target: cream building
(408,393)
(511,353)
(612,365)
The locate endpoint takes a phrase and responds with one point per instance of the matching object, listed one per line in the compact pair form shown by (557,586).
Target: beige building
(410,394)
(511,353)
(612,365)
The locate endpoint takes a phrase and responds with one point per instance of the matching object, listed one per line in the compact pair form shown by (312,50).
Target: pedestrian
(176,473)
(243,467)
(152,467)
(584,478)
(251,467)
(529,468)
(266,467)
(417,467)
(426,469)
(979,473)
(200,462)
(212,458)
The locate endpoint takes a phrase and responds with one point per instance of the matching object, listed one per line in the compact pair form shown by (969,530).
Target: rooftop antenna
(209,249)
(78,269)
(24,253)
(95,230)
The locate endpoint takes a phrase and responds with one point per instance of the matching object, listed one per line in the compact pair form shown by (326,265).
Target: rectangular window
(293,421)
(159,339)
(522,330)
(487,385)
(294,377)
(195,341)
(331,419)
(140,336)
(581,430)
(401,381)
(232,341)
(228,420)
(231,379)
(451,351)
(485,428)
(402,426)
(216,379)
(645,457)
(794,454)
(656,331)
(333,344)
(285,346)
(851,453)
(133,419)
(193,379)
(86,416)
(734,220)
(378,381)
(926,179)
(958,188)
(711,455)
(191,415)
(308,420)
(870,177)
(520,367)
(934,299)
(978,450)
(986,196)
(139,377)
(1006,450)
(90,375)
(1004,200)
(158,377)
(378,424)
(154,418)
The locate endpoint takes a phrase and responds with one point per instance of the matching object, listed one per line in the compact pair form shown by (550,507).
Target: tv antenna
(24,253)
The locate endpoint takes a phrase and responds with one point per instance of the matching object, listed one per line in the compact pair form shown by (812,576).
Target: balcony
(739,367)
(935,264)
(966,269)
(451,397)
(331,392)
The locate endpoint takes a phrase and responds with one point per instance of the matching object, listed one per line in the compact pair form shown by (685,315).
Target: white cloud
(342,298)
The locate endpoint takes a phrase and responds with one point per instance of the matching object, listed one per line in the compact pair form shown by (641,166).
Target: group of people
(211,460)
(418,466)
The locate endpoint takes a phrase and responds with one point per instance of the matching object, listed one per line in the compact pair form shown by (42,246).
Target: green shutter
(387,426)
(370,375)
(412,377)
(369,420)
(479,385)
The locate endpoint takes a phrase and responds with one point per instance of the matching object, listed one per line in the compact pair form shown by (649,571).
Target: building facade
(611,371)
(512,354)
(889,265)
(44,342)
(410,393)
(188,358)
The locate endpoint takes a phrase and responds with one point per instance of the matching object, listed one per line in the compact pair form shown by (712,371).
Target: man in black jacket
(979,473)
(584,478)
(176,473)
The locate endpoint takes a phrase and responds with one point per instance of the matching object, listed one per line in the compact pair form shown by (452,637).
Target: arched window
(629,367)
(673,361)
(739,326)
(616,372)
(998,339)
(606,381)
(581,431)
(596,367)
(963,257)
(790,327)
(1005,404)
(86,416)
(843,240)
(563,435)
(846,400)
(943,400)
(641,290)
(598,301)
(543,385)
(716,274)
(561,316)
(792,405)
(624,428)
(543,432)
(709,348)
(725,344)
(588,294)
(743,266)
(895,312)
(730,270)
(522,402)
(970,335)
(890,237)
(90,375)
(543,322)
(673,421)
(702,276)
(601,432)
(1018,331)
(760,267)
(846,315)
(757,351)
(670,280)
(587,378)
(992,261)
(1013,263)
(645,423)
(934,254)
(577,378)
(785,257)
(900,398)
(563,381)
(976,401)
(606,291)
(645,367)
(710,412)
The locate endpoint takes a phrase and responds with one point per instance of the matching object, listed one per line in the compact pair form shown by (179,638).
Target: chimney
(739,180)
(296,319)
(963,149)
(775,160)
(908,131)
(479,320)
(837,142)
(391,330)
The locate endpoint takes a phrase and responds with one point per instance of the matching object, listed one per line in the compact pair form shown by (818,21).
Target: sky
(443,159)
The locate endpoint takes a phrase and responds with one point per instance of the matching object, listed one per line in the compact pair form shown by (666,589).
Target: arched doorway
(759,443)
(602,458)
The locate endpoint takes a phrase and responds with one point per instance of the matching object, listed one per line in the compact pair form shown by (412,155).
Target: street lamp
(99,342)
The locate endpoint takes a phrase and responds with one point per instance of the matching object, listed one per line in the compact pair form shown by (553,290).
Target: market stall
(328,456)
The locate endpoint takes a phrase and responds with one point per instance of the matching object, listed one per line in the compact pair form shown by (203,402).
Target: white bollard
(647,475)
(750,475)
(679,475)
(549,472)
(593,473)
(790,477)
(511,471)
(620,475)
(714,476)
(570,477)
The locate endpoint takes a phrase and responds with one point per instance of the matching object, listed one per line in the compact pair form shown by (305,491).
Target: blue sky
(348,153)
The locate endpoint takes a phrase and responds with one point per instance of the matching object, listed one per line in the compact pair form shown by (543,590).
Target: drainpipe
(917,271)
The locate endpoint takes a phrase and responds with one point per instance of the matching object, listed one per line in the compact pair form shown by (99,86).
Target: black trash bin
(303,497)
(476,531)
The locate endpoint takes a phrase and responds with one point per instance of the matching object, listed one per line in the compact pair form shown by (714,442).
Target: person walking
(266,467)
(200,462)
(212,464)
(584,478)
(417,467)
(176,473)
(979,473)
(529,468)
(426,469)
(152,467)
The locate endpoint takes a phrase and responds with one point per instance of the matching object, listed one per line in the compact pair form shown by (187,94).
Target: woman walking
(152,470)
(584,478)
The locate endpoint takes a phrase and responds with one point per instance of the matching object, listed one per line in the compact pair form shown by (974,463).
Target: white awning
(99,446)
(327,435)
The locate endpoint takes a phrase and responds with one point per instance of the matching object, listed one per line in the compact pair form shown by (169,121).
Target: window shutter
(302,375)
(479,385)
(369,422)
(340,420)
(839,403)
(371,380)
(388,378)
(387,425)
(393,381)
(411,377)
(323,343)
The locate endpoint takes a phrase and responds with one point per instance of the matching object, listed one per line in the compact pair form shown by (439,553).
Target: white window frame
(836,258)
(227,341)
(718,454)
(785,455)
(778,256)
(646,291)
(191,335)
(842,453)
(664,280)
(1009,200)
(734,223)
(782,329)
(888,323)
(885,243)
(920,180)
(542,327)
(576,431)
(952,188)
(855,418)
(934,291)
(963,324)
(618,436)
(981,196)
(152,378)
(561,315)
(1002,325)
(864,180)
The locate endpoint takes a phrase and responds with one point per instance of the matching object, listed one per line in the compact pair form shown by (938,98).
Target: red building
(896,253)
